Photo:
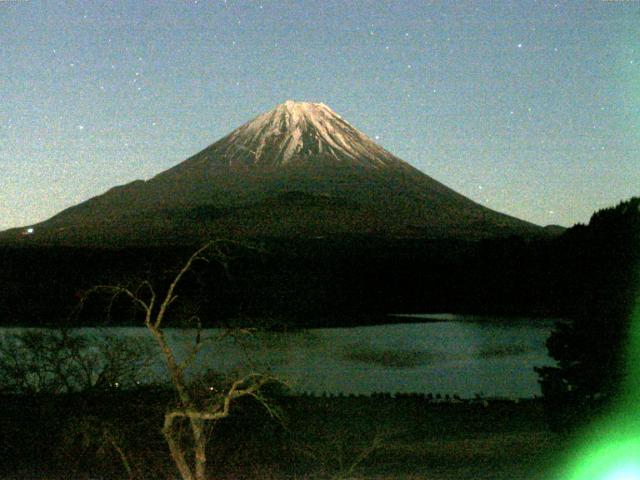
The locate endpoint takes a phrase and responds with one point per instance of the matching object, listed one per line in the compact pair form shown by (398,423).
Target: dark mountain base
(325,282)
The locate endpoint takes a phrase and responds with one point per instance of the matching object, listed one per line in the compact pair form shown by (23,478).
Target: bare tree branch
(190,410)
(169,296)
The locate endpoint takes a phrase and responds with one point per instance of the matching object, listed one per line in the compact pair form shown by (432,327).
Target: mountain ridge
(296,147)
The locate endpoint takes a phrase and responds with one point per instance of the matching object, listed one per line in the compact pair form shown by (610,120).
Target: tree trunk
(200,444)
(175,449)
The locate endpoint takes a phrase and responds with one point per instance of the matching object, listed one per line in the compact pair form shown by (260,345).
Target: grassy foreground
(339,437)
(423,440)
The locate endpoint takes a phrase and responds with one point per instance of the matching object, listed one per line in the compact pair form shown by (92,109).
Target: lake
(447,354)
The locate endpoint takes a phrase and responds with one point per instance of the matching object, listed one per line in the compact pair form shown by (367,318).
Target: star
(519,45)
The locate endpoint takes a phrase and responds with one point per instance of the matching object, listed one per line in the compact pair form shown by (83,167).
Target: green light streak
(616,456)
(610,448)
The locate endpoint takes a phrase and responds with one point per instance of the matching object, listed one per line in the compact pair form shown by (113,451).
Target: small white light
(30,231)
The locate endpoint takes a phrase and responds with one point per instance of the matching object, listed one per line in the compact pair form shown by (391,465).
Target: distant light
(30,231)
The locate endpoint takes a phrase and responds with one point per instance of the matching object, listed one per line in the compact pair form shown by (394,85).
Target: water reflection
(457,355)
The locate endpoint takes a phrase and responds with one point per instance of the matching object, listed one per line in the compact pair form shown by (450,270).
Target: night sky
(530,108)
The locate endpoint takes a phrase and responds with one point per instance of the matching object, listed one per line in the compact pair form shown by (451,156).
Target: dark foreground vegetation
(116,434)
(347,280)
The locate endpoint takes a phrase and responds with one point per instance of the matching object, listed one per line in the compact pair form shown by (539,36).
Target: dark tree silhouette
(603,259)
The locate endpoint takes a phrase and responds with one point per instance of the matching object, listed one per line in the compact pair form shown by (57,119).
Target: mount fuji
(299,170)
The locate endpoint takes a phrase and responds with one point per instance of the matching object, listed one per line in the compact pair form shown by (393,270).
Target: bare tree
(196,407)
(58,361)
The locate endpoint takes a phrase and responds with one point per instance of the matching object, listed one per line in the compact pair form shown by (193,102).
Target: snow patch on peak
(295,105)
(296,130)
(305,111)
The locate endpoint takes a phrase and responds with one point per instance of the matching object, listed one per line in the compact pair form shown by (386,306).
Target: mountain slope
(297,170)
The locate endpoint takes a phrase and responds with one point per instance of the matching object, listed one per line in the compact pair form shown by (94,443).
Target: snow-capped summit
(294,132)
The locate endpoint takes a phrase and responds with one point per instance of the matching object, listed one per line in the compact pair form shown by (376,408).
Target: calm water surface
(461,355)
